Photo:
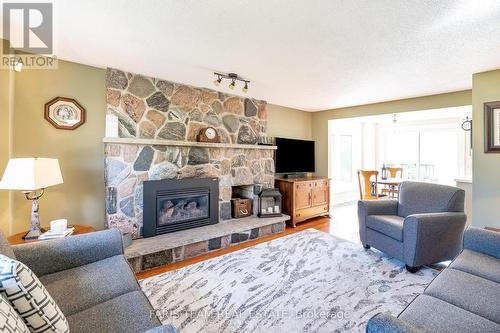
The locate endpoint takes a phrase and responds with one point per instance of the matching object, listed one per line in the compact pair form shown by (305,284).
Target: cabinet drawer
(304,185)
(321,183)
(304,214)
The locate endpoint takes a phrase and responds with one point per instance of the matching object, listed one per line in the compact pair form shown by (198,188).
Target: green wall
(6,80)
(288,123)
(80,152)
(320,119)
(486,167)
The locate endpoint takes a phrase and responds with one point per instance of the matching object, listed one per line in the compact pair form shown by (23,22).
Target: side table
(79,229)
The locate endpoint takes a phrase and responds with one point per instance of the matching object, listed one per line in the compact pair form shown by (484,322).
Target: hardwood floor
(342,223)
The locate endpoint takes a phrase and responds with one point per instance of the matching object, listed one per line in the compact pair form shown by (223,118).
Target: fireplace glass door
(182,208)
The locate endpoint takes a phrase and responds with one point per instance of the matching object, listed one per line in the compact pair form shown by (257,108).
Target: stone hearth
(147,253)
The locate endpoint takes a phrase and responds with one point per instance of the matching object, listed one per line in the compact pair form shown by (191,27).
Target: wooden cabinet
(304,198)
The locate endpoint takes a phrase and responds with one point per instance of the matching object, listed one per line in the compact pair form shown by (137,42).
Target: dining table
(392,184)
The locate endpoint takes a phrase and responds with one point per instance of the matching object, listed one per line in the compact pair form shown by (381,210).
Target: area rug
(310,281)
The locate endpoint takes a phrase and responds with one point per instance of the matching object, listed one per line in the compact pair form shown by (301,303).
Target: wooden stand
(19,238)
(304,198)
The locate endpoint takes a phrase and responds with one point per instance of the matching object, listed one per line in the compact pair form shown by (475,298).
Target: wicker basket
(241,207)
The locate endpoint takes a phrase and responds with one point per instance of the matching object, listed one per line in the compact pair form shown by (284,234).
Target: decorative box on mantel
(158,122)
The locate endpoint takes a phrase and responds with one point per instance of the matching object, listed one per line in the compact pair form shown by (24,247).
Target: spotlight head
(217,81)
(245,88)
(232,85)
(18,66)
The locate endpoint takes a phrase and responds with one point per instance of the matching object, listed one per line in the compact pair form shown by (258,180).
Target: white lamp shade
(30,174)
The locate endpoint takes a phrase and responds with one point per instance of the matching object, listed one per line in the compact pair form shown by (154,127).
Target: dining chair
(368,184)
(393,173)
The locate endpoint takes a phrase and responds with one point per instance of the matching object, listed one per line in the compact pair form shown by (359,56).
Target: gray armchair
(424,226)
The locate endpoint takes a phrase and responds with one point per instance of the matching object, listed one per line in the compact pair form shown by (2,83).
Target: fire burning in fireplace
(182,209)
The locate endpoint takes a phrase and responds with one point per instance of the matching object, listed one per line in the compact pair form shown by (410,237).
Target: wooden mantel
(157,142)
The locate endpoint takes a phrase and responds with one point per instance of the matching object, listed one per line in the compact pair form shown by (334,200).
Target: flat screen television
(294,156)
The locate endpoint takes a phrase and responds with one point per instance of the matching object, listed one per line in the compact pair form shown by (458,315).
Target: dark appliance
(294,156)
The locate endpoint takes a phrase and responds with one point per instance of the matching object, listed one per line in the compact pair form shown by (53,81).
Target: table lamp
(32,176)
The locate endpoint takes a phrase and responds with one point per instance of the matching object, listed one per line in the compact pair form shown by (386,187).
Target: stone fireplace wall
(157,109)
(149,108)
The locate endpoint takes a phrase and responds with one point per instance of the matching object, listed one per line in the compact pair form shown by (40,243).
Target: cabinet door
(303,195)
(320,193)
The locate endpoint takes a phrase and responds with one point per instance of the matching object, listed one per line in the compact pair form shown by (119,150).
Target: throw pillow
(29,298)
(10,321)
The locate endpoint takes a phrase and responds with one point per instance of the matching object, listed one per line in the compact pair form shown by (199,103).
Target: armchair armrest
(432,237)
(377,207)
(484,241)
(52,256)
(384,323)
(374,207)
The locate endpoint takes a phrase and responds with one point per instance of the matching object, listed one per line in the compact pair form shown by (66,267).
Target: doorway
(430,146)
(345,142)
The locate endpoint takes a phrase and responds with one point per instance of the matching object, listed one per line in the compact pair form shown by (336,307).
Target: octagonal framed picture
(65,113)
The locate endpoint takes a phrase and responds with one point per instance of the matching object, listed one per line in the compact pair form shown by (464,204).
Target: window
(436,153)
(345,156)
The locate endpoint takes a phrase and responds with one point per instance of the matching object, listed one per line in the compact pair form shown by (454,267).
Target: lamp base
(34,234)
(35,230)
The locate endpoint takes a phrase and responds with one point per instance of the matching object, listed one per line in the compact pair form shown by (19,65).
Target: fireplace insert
(178,204)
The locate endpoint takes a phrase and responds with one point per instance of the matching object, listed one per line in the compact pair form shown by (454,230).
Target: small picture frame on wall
(64,113)
(492,127)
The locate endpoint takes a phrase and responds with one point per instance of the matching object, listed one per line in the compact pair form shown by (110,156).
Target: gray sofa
(424,226)
(91,282)
(465,297)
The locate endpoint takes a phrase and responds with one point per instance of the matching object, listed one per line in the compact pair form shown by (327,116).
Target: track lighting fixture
(233,77)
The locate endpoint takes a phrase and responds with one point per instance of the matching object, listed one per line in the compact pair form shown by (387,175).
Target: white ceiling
(307,54)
